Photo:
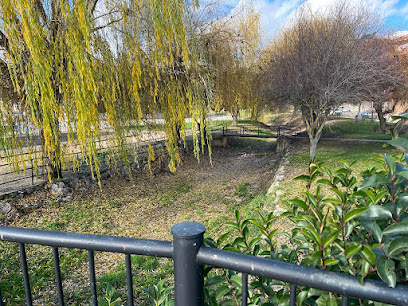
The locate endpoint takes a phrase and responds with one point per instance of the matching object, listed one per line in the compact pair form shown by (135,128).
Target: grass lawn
(333,154)
(349,128)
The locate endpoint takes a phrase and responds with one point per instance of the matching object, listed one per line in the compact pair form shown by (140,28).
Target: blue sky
(275,13)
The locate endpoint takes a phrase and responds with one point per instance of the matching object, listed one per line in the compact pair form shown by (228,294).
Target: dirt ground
(206,191)
(147,206)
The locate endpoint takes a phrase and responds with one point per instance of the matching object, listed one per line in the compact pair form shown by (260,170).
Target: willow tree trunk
(53,164)
(235,115)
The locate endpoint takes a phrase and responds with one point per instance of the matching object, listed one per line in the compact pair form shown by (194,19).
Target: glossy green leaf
(299,203)
(223,238)
(406,267)
(401,204)
(368,254)
(396,228)
(302,177)
(402,116)
(398,245)
(317,255)
(214,280)
(354,213)
(374,212)
(229,302)
(232,224)
(325,181)
(404,174)
(374,229)
(390,161)
(385,270)
(221,291)
(301,297)
(315,234)
(236,280)
(364,270)
(330,262)
(399,142)
(339,193)
(331,238)
(350,251)
(374,181)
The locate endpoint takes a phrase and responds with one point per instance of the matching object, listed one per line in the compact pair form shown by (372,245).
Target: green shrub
(338,225)
(354,224)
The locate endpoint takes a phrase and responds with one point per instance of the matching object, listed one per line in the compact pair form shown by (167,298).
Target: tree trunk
(358,111)
(295,110)
(235,115)
(53,163)
(313,139)
(314,119)
(381,118)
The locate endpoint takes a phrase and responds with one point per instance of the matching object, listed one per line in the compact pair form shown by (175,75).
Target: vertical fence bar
(292,295)
(58,279)
(244,289)
(344,300)
(188,274)
(32,173)
(129,279)
(25,274)
(1,299)
(92,277)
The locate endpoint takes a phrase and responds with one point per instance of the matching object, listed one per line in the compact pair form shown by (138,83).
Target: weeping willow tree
(68,75)
(235,54)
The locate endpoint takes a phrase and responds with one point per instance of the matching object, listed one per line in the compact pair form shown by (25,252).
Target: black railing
(189,255)
(259,130)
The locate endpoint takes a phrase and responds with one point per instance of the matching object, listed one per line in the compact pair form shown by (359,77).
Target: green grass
(171,195)
(332,154)
(349,128)
(242,190)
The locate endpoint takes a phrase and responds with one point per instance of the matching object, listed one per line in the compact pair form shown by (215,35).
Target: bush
(343,223)
(358,229)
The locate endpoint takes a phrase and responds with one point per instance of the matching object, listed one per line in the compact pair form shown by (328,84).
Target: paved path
(343,139)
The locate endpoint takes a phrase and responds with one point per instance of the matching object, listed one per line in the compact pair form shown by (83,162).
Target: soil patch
(207,191)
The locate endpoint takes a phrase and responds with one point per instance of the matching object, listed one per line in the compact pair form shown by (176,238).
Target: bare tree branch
(39,6)
(325,60)
(4,42)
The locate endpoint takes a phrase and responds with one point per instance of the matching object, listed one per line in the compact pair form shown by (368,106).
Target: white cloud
(274,14)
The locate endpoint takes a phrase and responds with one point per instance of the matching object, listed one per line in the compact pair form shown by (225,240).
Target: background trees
(67,72)
(234,50)
(389,98)
(326,59)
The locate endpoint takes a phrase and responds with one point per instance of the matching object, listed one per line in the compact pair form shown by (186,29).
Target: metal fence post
(32,172)
(188,273)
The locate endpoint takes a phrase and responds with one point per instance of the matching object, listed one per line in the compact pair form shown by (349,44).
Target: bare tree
(324,60)
(394,93)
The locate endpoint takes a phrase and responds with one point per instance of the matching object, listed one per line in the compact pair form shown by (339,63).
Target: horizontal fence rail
(189,255)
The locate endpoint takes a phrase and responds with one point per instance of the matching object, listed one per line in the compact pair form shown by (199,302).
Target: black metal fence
(13,181)
(260,130)
(189,255)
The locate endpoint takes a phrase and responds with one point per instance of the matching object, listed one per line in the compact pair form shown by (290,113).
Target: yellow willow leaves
(67,74)
(235,55)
